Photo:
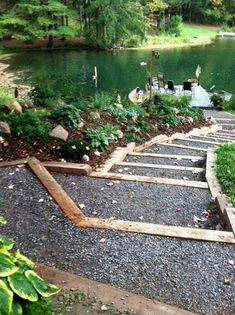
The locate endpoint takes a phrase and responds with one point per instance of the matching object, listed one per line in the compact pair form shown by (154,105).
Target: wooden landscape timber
(71,210)
(158,229)
(230,217)
(168,167)
(211,178)
(68,168)
(169,156)
(181,146)
(14,163)
(162,138)
(151,180)
(116,157)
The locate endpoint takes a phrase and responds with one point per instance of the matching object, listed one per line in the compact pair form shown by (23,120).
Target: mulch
(17,148)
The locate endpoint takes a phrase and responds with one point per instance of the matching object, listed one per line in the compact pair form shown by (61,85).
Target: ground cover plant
(225,169)
(20,286)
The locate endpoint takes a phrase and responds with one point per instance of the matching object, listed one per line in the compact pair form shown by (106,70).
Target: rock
(4,128)
(80,125)
(59,133)
(190,120)
(95,115)
(120,134)
(119,106)
(15,106)
(85,158)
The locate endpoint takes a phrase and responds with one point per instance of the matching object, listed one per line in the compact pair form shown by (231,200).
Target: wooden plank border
(151,180)
(14,162)
(71,210)
(159,230)
(116,157)
(211,178)
(68,168)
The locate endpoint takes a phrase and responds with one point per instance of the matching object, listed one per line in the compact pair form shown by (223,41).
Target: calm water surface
(122,70)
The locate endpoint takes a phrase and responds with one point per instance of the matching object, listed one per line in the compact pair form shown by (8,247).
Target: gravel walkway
(194,144)
(165,161)
(184,273)
(174,150)
(162,173)
(217,140)
(217,114)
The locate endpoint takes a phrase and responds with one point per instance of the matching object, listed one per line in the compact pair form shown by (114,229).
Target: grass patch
(191,34)
(225,169)
(231,112)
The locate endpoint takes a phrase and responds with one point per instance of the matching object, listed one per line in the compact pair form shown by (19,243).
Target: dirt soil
(16,148)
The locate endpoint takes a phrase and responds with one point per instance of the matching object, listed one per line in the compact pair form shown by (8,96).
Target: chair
(187,86)
(171,86)
(160,80)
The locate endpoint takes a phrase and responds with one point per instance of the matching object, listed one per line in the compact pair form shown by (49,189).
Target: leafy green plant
(102,101)
(217,99)
(191,112)
(225,169)
(131,136)
(18,280)
(229,105)
(102,137)
(5,96)
(74,149)
(143,126)
(43,95)
(67,115)
(29,125)
(80,105)
(42,307)
(167,115)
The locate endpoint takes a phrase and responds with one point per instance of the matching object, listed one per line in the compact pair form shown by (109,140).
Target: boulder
(95,115)
(5,128)
(14,106)
(59,133)
(80,125)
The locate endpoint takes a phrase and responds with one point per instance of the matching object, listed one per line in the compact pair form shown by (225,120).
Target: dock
(226,34)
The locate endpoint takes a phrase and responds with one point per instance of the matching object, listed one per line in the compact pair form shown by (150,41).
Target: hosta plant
(19,282)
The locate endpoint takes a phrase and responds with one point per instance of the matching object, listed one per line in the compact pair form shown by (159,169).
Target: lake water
(121,69)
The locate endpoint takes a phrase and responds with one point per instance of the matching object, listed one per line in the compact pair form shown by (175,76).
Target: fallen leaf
(73,183)
(185,178)
(81,205)
(114,201)
(11,186)
(103,240)
(231,262)
(41,200)
(141,218)
(11,174)
(227,281)
(175,163)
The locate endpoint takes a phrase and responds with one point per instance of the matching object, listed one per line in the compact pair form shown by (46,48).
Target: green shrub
(29,125)
(167,115)
(103,136)
(5,96)
(80,105)
(42,307)
(74,149)
(174,26)
(67,115)
(102,101)
(43,95)
(18,280)
(229,105)
(191,112)
(143,126)
(131,136)
(225,169)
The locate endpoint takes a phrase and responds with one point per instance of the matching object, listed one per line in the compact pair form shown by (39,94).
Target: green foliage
(80,105)
(229,105)
(191,112)
(74,149)
(225,169)
(5,96)
(67,115)
(102,101)
(173,27)
(29,125)
(143,126)
(42,307)
(131,136)
(18,281)
(43,95)
(102,137)
(217,99)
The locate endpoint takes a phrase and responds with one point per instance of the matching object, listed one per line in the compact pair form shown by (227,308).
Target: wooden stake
(68,168)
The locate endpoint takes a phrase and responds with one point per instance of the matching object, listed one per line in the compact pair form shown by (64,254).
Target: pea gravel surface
(166,161)
(188,274)
(164,149)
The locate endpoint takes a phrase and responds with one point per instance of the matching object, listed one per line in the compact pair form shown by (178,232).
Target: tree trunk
(50,43)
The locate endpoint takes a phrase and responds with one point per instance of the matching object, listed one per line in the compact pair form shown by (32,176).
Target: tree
(37,19)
